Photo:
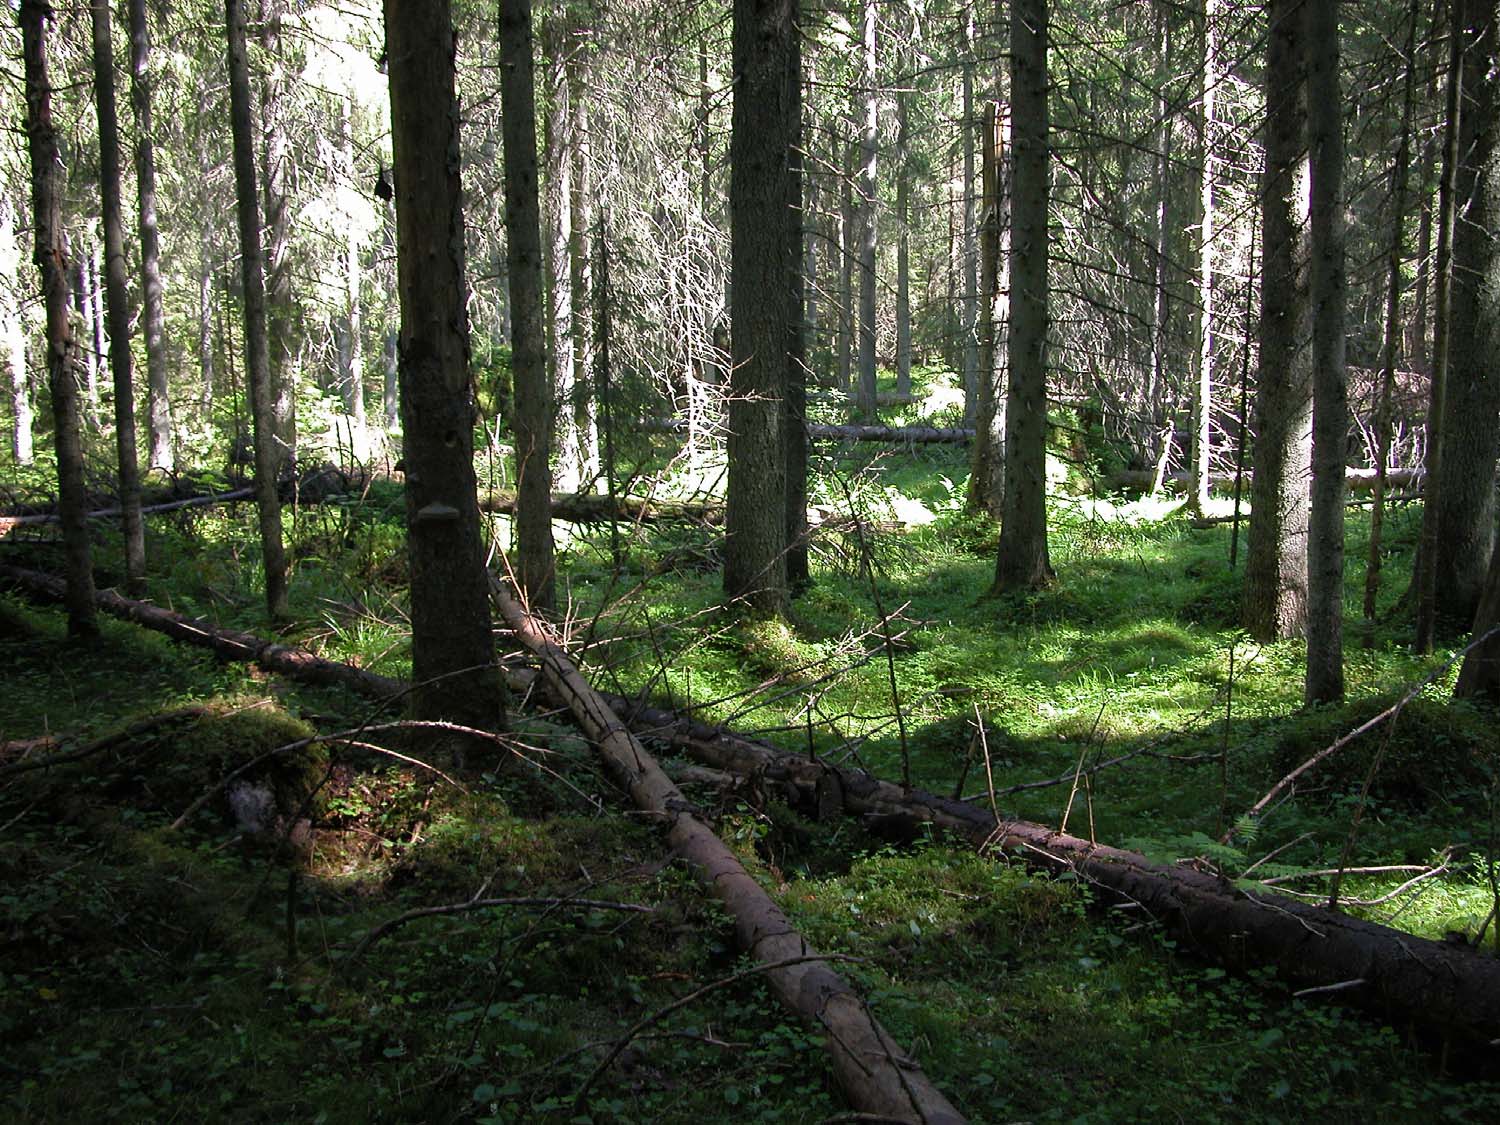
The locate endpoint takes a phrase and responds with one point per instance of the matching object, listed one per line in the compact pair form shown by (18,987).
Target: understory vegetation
(231,965)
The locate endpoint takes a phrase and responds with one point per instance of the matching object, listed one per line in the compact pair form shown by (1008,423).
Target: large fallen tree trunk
(1357,480)
(909,435)
(579,507)
(876,1076)
(40,518)
(1434,984)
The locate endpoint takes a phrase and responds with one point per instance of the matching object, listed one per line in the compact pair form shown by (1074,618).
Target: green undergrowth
(206,972)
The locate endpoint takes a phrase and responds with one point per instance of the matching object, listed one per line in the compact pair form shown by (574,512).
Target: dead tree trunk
(876,1076)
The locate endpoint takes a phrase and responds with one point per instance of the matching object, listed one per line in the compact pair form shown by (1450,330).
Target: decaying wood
(874,1073)
(1450,988)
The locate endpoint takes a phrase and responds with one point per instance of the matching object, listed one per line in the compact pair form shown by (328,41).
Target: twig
(476,903)
(1341,986)
(1274,853)
(1271,882)
(135,729)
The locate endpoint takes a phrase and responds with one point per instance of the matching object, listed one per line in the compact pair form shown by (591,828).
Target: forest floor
(153,972)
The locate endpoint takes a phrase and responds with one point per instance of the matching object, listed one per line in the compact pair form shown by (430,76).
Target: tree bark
(62,353)
(876,1076)
(1480,674)
(1324,681)
(763,263)
(866,220)
(13,330)
(452,649)
(903,244)
(987,461)
(1274,602)
(523,254)
(117,298)
(581,255)
(1022,561)
(351,328)
(282,342)
(559,144)
(268,459)
(1203,395)
(969,130)
(1471,426)
(794,421)
(161,454)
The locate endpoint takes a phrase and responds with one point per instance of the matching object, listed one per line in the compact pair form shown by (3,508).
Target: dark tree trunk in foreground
(158,403)
(452,647)
(532,424)
(1275,591)
(117,298)
(762,265)
(1471,420)
(1022,562)
(1325,567)
(51,260)
(257,357)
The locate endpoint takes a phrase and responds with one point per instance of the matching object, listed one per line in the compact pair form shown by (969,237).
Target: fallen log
(40,518)
(1357,480)
(1447,987)
(908,435)
(578,507)
(875,1075)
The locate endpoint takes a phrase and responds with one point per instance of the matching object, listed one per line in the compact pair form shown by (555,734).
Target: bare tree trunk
(161,454)
(452,650)
(523,251)
(1428,547)
(558,218)
(987,464)
(117,298)
(13,329)
(1022,561)
(257,357)
(283,344)
(903,246)
(1326,295)
(581,255)
(1275,591)
(1395,259)
(794,422)
(847,215)
(1203,396)
(352,329)
(51,260)
(868,140)
(969,129)
(1158,395)
(763,235)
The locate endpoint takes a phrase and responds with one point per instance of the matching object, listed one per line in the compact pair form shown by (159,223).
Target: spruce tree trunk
(558,217)
(160,453)
(351,329)
(794,421)
(282,338)
(987,463)
(1022,561)
(847,255)
(1203,395)
(581,271)
(969,130)
(1275,592)
(1324,681)
(62,352)
(257,357)
(452,650)
(763,234)
(1471,423)
(117,298)
(903,247)
(523,254)
(867,188)
(13,331)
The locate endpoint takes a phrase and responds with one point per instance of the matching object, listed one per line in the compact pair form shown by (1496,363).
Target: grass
(152,973)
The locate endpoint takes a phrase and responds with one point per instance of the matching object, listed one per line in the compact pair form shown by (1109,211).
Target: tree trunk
(282,338)
(452,650)
(1203,395)
(581,262)
(62,352)
(352,373)
(866,189)
(1022,561)
(987,463)
(13,331)
(1395,260)
(1465,495)
(158,400)
(877,1077)
(794,421)
(969,130)
(1158,394)
(523,255)
(1324,682)
(847,254)
(1429,546)
(1275,591)
(117,298)
(558,218)
(763,235)
(268,459)
(903,245)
